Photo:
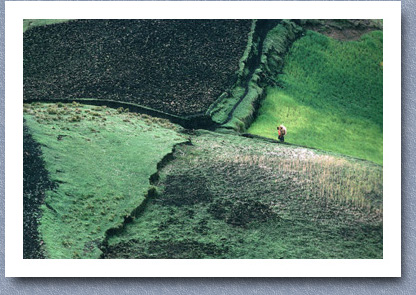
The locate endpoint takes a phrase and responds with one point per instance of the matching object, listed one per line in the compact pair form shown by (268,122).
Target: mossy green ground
(30,23)
(332,96)
(101,160)
(226,196)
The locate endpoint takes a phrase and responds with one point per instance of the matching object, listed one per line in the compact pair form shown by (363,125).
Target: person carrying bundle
(281,130)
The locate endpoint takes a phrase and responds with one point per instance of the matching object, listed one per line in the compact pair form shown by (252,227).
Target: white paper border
(16,266)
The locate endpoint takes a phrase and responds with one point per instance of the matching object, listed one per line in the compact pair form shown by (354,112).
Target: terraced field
(104,181)
(176,66)
(330,93)
(226,196)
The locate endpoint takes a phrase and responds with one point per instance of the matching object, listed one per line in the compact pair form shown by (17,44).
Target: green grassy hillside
(101,160)
(226,196)
(332,96)
(223,196)
(101,182)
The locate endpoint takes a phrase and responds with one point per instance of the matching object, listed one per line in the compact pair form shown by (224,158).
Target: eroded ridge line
(139,210)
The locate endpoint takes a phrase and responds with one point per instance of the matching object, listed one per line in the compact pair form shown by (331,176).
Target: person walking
(281,130)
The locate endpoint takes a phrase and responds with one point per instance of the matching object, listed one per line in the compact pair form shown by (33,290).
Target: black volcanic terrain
(175,66)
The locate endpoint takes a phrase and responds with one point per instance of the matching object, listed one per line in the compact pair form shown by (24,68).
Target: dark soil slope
(35,183)
(176,66)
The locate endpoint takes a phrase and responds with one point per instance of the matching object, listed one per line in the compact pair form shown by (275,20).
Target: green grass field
(226,196)
(130,185)
(222,196)
(332,96)
(101,160)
